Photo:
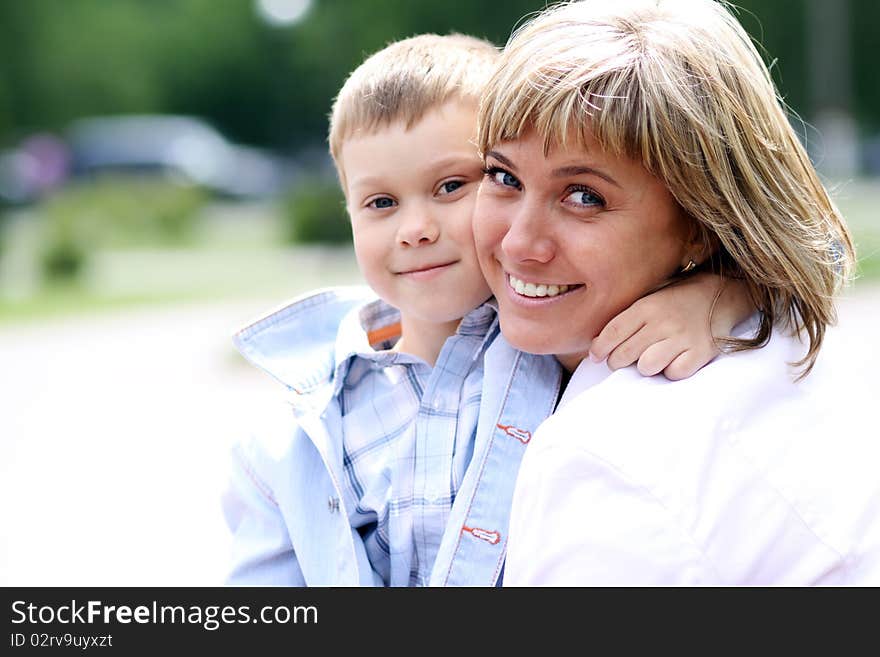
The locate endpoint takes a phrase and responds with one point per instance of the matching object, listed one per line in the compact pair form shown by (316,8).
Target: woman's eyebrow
(562,172)
(498,156)
(565,172)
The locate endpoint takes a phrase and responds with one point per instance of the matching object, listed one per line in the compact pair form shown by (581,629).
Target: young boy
(410,413)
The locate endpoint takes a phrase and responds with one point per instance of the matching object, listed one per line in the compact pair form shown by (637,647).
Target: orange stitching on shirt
(521,435)
(384,333)
(254,477)
(500,562)
(483,534)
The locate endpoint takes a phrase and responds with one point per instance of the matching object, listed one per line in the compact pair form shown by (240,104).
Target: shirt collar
(370,332)
(295,343)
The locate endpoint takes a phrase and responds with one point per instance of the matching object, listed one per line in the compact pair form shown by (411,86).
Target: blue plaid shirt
(408,437)
(382,470)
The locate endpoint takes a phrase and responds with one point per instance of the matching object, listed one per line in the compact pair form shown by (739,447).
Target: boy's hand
(669,330)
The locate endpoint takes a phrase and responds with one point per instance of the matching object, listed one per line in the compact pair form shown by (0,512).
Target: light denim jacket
(283,502)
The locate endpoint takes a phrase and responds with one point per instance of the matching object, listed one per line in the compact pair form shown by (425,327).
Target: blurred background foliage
(265,82)
(272,85)
(107,213)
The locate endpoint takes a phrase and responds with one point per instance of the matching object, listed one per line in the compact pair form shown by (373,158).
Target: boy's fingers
(629,351)
(685,365)
(617,331)
(658,356)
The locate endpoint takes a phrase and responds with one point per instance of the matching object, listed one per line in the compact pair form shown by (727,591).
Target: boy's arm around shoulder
(675,329)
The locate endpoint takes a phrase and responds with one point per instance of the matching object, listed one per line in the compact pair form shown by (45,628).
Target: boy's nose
(418,228)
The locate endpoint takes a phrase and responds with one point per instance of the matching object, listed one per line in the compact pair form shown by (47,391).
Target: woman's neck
(563,384)
(570,362)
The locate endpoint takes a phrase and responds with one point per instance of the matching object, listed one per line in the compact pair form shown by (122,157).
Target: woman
(629,144)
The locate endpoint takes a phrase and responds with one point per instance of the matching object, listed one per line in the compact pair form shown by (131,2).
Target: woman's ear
(702,245)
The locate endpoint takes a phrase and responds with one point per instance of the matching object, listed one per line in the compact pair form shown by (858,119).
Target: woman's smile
(532,290)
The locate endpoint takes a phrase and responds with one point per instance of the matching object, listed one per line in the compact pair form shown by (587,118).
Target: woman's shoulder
(654,423)
(739,445)
(728,385)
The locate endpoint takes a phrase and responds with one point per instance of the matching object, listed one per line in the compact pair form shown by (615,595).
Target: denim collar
(310,341)
(295,344)
(371,331)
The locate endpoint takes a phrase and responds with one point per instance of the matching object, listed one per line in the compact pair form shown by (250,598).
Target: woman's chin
(529,338)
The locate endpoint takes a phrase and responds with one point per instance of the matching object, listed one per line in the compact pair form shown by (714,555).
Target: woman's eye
(451,186)
(503,178)
(584,198)
(382,203)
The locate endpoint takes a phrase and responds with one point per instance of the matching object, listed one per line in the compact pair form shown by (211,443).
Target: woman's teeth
(536,290)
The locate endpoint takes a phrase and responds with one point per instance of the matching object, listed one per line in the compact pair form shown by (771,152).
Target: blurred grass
(859,202)
(235,251)
(239,251)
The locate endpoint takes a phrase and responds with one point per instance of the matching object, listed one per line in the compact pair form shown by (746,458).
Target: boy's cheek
(362,255)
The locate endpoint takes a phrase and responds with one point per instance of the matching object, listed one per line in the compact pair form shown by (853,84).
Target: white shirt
(736,476)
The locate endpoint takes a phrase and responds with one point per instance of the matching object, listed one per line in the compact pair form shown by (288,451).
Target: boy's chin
(438,316)
(436,309)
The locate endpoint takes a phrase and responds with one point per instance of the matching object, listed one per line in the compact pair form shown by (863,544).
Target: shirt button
(437,404)
(333,504)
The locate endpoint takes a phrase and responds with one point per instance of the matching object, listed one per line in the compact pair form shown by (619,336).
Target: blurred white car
(180,147)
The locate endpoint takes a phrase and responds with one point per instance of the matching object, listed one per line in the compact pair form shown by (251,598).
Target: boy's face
(410,196)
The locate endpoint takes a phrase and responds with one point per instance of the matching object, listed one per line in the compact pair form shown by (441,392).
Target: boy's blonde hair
(405,80)
(678,86)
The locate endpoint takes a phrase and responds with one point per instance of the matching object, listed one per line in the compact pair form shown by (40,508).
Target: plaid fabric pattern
(408,437)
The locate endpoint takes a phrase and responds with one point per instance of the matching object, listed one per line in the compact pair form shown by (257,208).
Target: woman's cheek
(489,225)
(480,226)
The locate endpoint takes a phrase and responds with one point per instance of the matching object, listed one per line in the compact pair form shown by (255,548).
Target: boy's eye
(501,177)
(584,197)
(451,186)
(382,203)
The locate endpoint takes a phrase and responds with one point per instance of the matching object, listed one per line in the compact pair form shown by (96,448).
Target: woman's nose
(417,227)
(528,237)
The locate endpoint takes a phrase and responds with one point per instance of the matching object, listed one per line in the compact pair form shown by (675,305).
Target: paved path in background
(114,431)
(113,435)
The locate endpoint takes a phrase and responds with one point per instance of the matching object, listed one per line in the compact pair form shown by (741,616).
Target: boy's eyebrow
(461,157)
(464,159)
(561,172)
(363,181)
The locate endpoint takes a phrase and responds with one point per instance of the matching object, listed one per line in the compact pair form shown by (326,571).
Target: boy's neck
(424,339)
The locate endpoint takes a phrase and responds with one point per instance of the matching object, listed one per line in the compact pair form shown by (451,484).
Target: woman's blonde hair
(404,81)
(679,86)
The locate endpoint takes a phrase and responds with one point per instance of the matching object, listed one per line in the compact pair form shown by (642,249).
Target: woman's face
(569,240)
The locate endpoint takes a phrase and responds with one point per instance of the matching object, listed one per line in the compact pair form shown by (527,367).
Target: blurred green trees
(314,212)
(273,86)
(257,83)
